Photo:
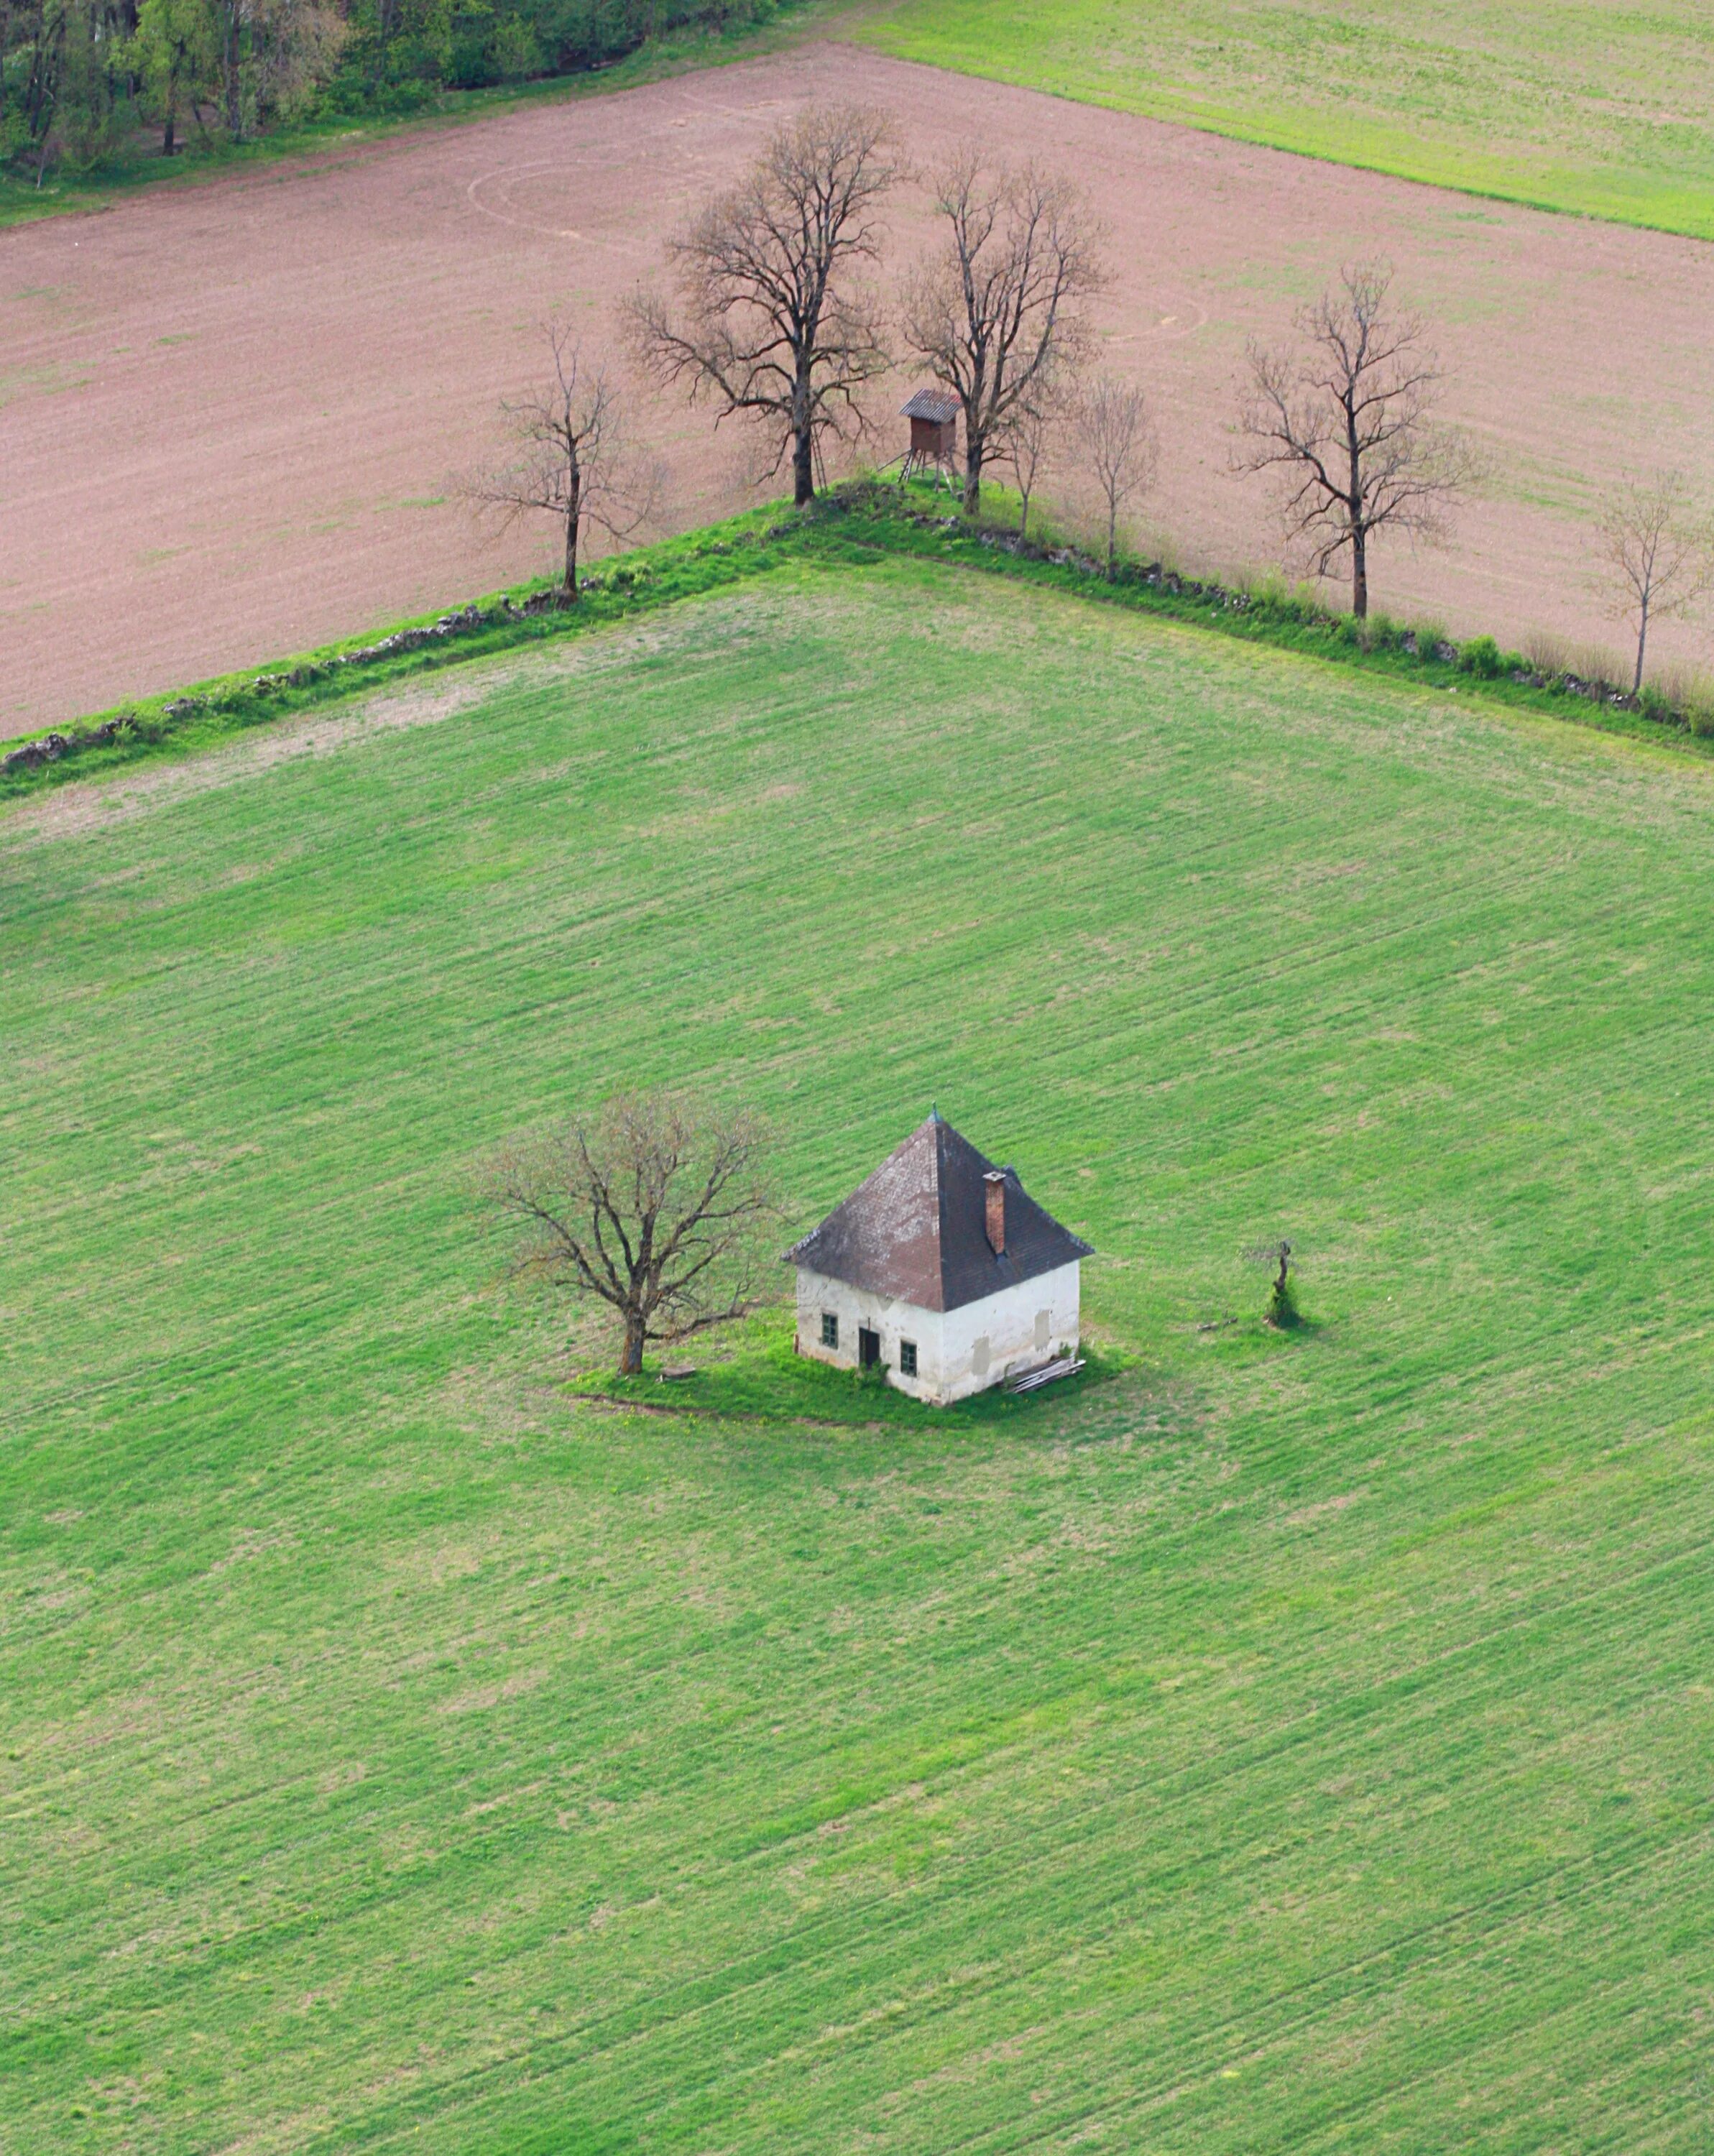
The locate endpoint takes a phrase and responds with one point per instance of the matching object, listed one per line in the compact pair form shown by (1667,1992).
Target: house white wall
(958,1352)
(983,1342)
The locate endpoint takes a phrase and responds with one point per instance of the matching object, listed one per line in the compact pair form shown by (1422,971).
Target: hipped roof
(916,1229)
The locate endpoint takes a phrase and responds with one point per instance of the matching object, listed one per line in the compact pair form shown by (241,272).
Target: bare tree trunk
(229,68)
(1023,512)
(804,464)
(631,1354)
(1636,686)
(1355,506)
(974,450)
(574,518)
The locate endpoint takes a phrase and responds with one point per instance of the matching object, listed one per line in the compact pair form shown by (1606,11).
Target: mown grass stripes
(1281,1744)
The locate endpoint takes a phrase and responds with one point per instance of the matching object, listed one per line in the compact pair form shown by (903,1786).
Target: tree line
(776,316)
(78,79)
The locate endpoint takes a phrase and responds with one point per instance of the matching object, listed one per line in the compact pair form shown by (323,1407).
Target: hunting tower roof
(939,405)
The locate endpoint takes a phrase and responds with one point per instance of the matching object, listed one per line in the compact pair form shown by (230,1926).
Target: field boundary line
(858,524)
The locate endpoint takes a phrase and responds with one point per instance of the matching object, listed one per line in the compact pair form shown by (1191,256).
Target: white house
(942,1267)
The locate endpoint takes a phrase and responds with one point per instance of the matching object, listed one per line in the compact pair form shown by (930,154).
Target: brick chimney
(995,1183)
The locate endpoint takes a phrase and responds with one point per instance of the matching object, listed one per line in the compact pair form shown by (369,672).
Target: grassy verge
(217,710)
(860,522)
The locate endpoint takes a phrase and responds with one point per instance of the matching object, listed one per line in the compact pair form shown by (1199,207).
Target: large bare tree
(996,313)
(656,1207)
(771,324)
(1660,554)
(573,459)
(1347,424)
(1120,451)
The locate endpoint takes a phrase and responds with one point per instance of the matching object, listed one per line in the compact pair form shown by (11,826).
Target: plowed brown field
(231,412)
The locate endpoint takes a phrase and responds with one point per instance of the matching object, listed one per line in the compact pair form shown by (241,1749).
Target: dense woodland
(81,80)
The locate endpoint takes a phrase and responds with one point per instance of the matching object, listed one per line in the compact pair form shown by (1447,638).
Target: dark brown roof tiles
(915,1229)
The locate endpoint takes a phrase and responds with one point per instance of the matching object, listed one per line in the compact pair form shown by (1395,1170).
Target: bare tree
(770,324)
(1347,424)
(1029,443)
(1661,552)
(575,462)
(1118,445)
(656,1208)
(996,313)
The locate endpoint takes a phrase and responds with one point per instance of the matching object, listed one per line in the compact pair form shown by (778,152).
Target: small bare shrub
(1689,691)
(1596,662)
(1545,652)
(1282,1312)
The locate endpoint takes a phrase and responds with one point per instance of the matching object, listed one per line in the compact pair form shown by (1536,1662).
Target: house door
(867,1347)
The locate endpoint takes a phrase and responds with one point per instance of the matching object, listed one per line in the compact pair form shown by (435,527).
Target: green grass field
(1284,1743)
(1572,104)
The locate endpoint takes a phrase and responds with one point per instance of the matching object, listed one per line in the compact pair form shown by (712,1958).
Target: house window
(907,1359)
(829,1330)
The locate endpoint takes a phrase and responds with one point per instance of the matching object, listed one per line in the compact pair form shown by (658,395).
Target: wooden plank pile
(1044,1373)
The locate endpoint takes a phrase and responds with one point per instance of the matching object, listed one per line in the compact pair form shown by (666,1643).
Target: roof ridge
(941,1128)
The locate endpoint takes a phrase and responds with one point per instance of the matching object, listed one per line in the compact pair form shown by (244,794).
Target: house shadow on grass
(753,1373)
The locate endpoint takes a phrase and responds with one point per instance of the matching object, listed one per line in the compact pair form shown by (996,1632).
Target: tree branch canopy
(575,461)
(1120,448)
(997,314)
(657,1208)
(1347,424)
(770,324)
(1659,553)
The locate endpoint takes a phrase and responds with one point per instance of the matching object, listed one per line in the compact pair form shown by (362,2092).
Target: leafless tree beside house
(1659,554)
(654,1207)
(996,313)
(1119,450)
(1347,424)
(574,461)
(771,324)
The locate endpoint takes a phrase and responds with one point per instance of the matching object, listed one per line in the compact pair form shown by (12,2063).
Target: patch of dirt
(234,410)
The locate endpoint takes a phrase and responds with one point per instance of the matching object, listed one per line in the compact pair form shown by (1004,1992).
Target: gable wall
(984,1342)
